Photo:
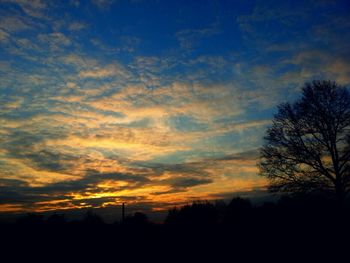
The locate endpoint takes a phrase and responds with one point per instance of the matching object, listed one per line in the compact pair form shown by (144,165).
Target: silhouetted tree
(56,219)
(307,148)
(92,219)
(197,214)
(31,219)
(238,210)
(138,219)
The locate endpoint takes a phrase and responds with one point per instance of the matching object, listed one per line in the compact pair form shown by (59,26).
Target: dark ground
(291,230)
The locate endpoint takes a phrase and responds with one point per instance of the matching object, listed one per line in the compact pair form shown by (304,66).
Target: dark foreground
(293,231)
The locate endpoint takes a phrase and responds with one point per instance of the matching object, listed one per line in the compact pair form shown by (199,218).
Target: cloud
(215,62)
(152,182)
(90,132)
(326,64)
(76,26)
(187,182)
(4,36)
(110,131)
(92,118)
(200,102)
(283,15)
(33,8)
(103,4)
(55,41)
(189,38)
(133,148)
(13,24)
(113,70)
(130,40)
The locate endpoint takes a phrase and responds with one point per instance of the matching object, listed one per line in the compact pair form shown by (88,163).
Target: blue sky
(156,103)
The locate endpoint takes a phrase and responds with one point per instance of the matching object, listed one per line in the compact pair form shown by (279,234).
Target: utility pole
(123,212)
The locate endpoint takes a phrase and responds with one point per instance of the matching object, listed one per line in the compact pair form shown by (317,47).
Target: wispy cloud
(103,4)
(113,70)
(189,38)
(76,26)
(33,8)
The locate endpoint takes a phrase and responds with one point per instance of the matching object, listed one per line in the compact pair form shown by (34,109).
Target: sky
(153,103)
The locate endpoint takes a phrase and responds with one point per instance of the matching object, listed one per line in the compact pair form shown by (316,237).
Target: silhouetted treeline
(239,213)
(291,224)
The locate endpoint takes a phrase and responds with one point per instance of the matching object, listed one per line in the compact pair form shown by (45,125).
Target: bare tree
(307,148)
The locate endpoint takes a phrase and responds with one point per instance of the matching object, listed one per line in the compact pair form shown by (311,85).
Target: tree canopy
(307,148)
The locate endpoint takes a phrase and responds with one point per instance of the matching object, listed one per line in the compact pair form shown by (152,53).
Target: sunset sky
(153,103)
